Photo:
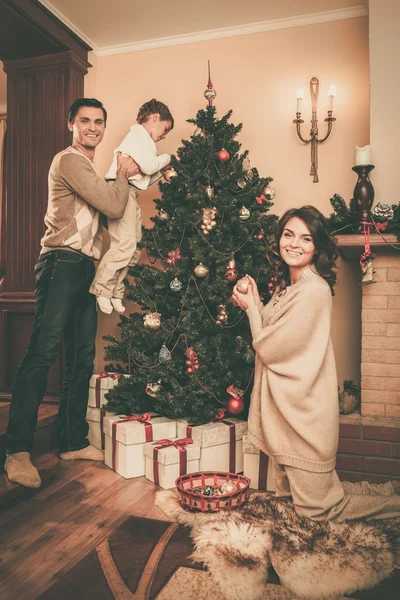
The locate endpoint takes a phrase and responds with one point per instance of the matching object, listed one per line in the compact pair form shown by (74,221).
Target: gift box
(99,385)
(166,460)
(258,467)
(220,442)
(95,418)
(126,436)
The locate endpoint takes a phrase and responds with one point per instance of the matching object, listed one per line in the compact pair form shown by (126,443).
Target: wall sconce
(314,89)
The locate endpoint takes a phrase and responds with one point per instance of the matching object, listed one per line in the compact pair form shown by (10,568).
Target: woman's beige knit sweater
(294,410)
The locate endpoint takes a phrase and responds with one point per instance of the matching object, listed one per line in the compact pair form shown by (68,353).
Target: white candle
(300,97)
(363,156)
(332,95)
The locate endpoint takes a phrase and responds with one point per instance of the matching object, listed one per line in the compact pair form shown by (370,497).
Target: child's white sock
(118,306)
(104,304)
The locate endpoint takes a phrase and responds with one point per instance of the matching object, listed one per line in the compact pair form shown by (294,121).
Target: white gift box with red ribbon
(99,385)
(126,436)
(258,466)
(167,459)
(220,442)
(95,419)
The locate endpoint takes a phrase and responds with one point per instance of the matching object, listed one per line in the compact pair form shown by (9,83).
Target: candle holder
(314,140)
(364,191)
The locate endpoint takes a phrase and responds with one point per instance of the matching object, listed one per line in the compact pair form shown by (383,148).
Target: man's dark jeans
(65,311)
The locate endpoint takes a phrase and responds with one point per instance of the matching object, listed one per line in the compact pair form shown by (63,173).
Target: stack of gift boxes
(163,449)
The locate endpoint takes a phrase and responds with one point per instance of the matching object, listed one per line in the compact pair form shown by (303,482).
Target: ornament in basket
(212,491)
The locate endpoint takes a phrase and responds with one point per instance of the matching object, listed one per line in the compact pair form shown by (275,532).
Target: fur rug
(314,560)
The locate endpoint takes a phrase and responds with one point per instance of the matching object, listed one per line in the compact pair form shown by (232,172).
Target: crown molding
(213,34)
(70,25)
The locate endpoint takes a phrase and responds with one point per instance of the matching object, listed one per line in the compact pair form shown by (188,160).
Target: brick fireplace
(369,445)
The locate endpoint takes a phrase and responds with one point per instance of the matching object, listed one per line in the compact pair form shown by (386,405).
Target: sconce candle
(314,140)
(363,156)
(300,97)
(331,95)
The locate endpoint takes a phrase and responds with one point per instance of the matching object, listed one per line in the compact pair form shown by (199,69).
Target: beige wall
(257,76)
(3,89)
(385,93)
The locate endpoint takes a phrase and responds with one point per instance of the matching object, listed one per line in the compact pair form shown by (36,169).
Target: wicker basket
(194,501)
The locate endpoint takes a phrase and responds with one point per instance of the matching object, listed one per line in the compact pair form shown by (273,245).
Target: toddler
(154,121)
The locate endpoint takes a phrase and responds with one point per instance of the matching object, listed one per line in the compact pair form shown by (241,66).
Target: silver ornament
(269,192)
(175,285)
(244,213)
(164,354)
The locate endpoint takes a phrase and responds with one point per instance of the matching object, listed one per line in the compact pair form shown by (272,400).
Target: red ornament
(192,362)
(223,155)
(231,274)
(235,405)
(260,234)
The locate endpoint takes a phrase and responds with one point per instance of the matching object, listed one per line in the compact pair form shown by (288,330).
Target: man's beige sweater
(294,410)
(76,197)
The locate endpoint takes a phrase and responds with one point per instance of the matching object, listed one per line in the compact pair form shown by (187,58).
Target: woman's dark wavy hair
(326,252)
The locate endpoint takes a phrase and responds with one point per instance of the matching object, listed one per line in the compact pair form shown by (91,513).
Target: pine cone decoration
(383,212)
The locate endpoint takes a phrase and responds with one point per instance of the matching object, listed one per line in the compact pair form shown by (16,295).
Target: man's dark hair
(91,102)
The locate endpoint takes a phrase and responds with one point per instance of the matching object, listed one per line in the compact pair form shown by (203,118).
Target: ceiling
(127,25)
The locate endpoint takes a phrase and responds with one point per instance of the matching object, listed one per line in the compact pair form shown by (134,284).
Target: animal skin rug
(314,560)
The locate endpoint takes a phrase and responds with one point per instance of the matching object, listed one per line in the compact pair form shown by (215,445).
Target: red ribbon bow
(177,443)
(101,376)
(180,445)
(220,415)
(148,430)
(105,374)
(174,255)
(260,199)
(381,226)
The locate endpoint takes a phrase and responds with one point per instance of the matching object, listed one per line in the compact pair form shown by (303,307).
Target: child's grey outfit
(125,233)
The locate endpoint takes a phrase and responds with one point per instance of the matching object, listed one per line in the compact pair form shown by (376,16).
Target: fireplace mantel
(351,245)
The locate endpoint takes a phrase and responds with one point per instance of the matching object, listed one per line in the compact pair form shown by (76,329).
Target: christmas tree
(189,353)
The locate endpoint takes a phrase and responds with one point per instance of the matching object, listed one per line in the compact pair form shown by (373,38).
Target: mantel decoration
(314,89)
(359,218)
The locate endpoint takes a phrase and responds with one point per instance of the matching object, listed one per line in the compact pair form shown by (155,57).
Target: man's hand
(126,166)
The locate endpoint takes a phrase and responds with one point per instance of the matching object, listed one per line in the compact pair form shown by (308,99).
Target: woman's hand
(126,166)
(254,287)
(244,300)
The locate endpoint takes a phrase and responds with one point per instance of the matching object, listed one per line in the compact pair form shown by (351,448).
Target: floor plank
(47,534)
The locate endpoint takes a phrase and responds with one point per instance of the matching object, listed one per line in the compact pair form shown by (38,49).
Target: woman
(294,411)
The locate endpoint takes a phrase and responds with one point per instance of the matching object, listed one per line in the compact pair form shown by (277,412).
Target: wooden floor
(77,507)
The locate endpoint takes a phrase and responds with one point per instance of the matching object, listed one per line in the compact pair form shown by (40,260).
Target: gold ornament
(162,215)
(201,270)
(210,191)
(208,221)
(244,213)
(248,170)
(152,320)
(222,315)
(169,174)
(242,285)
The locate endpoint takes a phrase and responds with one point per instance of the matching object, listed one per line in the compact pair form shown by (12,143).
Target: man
(65,310)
